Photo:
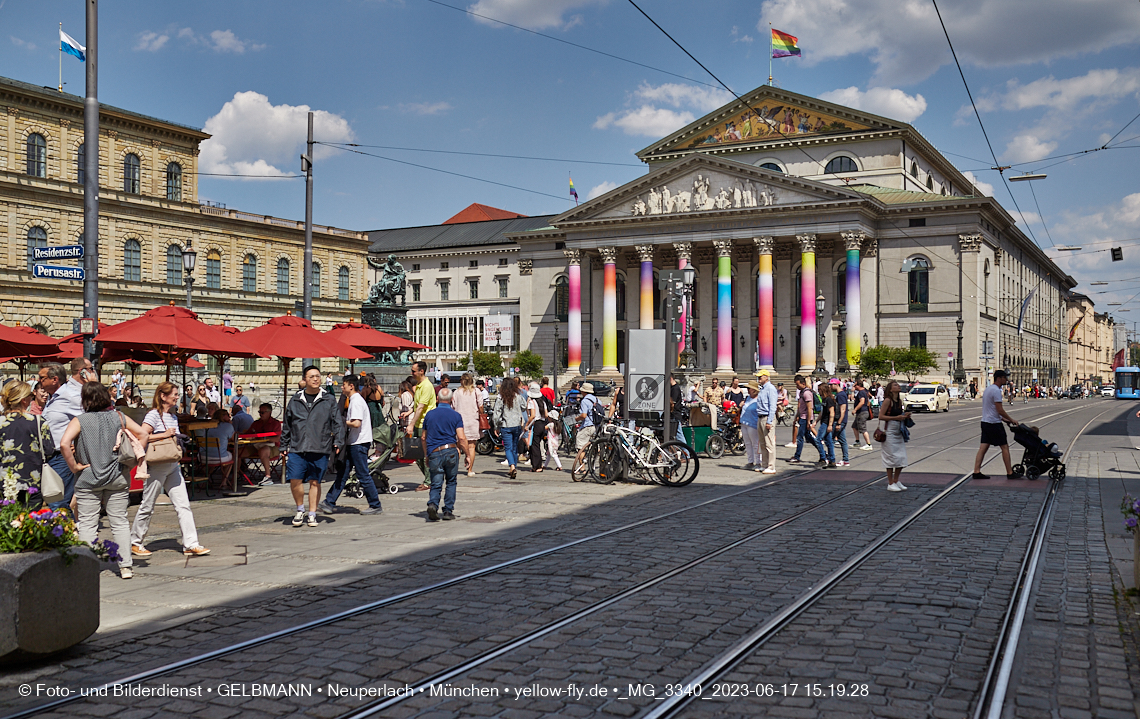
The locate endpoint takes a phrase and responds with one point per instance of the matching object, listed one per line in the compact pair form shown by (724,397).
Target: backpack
(597,414)
(816,403)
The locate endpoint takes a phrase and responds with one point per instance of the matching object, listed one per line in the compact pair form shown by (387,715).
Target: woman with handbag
(509,415)
(536,405)
(25,445)
(465,401)
(99,454)
(163,454)
(891,435)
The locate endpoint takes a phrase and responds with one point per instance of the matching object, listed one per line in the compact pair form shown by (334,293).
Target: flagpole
(770,47)
(61,60)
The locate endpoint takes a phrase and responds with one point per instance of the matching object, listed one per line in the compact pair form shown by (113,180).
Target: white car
(1107,391)
(927,398)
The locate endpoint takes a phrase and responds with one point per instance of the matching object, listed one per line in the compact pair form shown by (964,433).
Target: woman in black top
(827,421)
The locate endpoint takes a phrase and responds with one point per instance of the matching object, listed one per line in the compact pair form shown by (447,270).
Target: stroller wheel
(393,488)
(1055,473)
(1019,469)
(1032,472)
(358,492)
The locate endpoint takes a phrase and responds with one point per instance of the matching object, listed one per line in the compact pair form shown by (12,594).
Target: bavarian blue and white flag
(68,44)
(1024,307)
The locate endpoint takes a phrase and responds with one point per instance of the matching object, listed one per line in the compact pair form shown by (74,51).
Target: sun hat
(587,387)
(534,391)
(753,384)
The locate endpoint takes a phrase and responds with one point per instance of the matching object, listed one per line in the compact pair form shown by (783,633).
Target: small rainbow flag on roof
(573,192)
(784,45)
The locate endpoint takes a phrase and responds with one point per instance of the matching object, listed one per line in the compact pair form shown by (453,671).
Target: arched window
(80,164)
(173,265)
(930,183)
(562,298)
(342,283)
(37,155)
(37,237)
(914,169)
(841,287)
(214,270)
(918,285)
(282,276)
(132,261)
(772,166)
(174,182)
(316,280)
(620,296)
(841,164)
(131,174)
(249,274)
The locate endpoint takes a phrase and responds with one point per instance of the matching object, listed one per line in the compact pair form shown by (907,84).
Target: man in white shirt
(212,393)
(355,452)
(64,406)
(992,431)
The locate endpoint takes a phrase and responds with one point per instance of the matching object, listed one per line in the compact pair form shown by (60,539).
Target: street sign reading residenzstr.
(53,272)
(66,252)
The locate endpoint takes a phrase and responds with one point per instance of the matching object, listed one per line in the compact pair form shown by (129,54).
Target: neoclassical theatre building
(778,200)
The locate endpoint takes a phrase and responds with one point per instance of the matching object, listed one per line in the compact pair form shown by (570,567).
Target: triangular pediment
(699,183)
(765,116)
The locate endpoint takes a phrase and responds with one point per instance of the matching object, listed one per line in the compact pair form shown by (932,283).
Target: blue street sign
(53,272)
(66,252)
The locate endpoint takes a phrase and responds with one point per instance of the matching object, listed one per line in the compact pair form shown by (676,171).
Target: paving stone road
(916,624)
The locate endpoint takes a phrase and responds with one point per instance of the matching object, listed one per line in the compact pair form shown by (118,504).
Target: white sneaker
(791,444)
(900,485)
(770,470)
(895,487)
(866,448)
(299,518)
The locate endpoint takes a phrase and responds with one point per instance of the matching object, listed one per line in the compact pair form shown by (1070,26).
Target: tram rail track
(545,630)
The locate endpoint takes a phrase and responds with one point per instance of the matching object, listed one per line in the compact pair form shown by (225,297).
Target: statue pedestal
(390,368)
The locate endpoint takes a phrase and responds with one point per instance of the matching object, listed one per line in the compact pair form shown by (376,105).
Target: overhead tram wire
(342,145)
(978,115)
(1040,215)
(567,42)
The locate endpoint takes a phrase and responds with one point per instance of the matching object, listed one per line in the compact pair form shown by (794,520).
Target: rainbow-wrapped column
(854,242)
(609,309)
(807,304)
(574,330)
(645,314)
(723,305)
(764,304)
(684,254)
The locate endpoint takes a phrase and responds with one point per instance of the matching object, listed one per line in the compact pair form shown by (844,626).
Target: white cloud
(599,190)
(650,120)
(425,108)
(151,41)
(252,136)
(531,14)
(1031,218)
(22,43)
(1064,95)
(1027,148)
(983,187)
(1129,209)
(737,37)
(217,40)
(646,120)
(704,99)
(904,39)
(885,101)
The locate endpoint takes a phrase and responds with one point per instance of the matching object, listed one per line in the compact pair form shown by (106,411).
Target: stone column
(807,304)
(853,242)
(765,304)
(684,254)
(645,318)
(609,309)
(574,319)
(724,333)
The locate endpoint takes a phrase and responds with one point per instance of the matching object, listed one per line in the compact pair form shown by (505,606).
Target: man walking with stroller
(992,430)
(359,424)
(443,442)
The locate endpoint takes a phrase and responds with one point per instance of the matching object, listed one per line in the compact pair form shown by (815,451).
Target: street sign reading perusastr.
(53,272)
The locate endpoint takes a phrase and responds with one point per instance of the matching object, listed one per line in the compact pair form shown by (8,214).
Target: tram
(1128,383)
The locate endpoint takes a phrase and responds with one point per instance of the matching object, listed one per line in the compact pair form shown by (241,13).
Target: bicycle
(616,450)
(785,416)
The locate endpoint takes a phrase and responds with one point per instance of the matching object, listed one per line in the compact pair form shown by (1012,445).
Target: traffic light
(1117,254)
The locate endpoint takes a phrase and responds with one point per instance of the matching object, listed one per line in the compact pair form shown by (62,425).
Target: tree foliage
(529,364)
(488,364)
(876,363)
(913,362)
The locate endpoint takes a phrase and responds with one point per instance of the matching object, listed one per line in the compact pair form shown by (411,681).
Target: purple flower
(57,531)
(32,490)
(1130,522)
(6,502)
(1136,506)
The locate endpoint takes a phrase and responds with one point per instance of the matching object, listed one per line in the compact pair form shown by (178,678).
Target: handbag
(163,451)
(484,423)
(51,484)
(880,435)
(130,452)
(411,447)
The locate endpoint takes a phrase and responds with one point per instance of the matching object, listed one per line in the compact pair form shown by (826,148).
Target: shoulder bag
(411,447)
(880,435)
(51,484)
(165,450)
(130,451)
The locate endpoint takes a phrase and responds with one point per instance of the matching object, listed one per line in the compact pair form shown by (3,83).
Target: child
(553,437)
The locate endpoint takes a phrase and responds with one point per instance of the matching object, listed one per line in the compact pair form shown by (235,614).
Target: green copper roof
(891,196)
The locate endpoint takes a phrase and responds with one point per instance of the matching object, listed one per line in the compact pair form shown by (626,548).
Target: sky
(1049,77)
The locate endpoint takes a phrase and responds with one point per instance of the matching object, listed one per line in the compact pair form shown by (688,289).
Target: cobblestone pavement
(914,623)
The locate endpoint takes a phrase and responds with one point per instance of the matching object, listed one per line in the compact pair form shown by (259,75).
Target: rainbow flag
(784,45)
(573,192)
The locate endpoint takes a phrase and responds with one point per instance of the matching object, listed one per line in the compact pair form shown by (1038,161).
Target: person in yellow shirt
(714,395)
(423,401)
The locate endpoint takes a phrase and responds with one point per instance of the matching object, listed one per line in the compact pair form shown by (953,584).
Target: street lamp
(189,258)
(689,277)
(959,369)
(471,346)
(498,338)
(820,303)
(556,358)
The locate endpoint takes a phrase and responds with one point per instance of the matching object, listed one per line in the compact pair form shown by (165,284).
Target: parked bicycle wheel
(684,464)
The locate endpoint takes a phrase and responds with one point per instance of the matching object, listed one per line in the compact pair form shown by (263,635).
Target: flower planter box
(47,605)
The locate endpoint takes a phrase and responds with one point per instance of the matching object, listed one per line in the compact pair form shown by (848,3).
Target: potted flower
(1130,508)
(49,581)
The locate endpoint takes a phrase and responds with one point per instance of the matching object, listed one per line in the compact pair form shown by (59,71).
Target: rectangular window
(416,267)
(473,263)
(452,340)
(445,291)
(503,287)
(502,262)
(214,270)
(211,366)
(473,289)
(919,291)
(249,364)
(920,222)
(462,334)
(918,339)
(443,265)
(415,292)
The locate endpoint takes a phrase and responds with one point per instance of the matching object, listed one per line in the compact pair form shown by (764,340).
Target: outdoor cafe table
(246,440)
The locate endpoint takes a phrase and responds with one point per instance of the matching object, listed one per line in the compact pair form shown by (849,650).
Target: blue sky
(1050,77)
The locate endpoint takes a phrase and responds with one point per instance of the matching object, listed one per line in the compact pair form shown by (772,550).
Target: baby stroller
(384,437)
(1040,456)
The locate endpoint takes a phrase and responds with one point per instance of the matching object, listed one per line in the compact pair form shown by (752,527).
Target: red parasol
(363,337)
(289,338)
(21,344)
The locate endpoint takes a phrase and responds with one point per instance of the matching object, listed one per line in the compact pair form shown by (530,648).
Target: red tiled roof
(481,213)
